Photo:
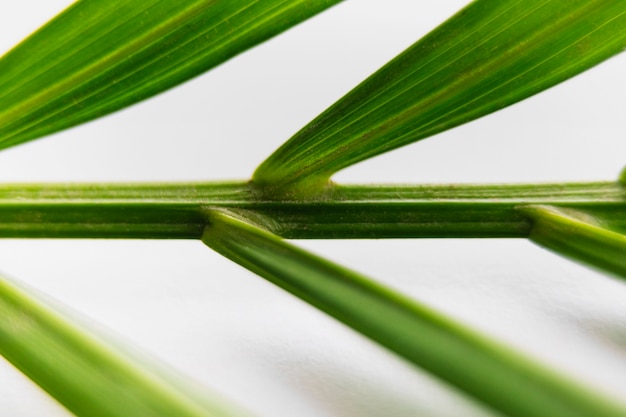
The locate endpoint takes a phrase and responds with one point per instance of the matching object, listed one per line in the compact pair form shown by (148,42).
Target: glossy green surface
(490,372)
(100,56)
(488,56)
(580,236)
(103,55)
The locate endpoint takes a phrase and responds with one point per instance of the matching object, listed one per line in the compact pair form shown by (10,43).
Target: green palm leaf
(488,56)
(100,56)
(86,373)
(579,235)
(103,55)
(491,373)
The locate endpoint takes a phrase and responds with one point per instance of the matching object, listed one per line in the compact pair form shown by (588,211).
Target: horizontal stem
(488,56)
(177,211)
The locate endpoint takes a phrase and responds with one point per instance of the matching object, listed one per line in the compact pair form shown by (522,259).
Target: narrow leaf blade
(488,371)
(86,373)
(99,56)
(578,236)
(488,56)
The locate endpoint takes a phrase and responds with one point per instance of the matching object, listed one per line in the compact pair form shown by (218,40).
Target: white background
(254,343)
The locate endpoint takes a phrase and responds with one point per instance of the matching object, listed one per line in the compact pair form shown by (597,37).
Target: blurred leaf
(99,56)
(488,56)
(87,374)
(490,372)
(579,236)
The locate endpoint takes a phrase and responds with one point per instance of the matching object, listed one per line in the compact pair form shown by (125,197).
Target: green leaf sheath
(488,56)
(99,56)
(579,236)
(176,211)
(88,375)
(477,366)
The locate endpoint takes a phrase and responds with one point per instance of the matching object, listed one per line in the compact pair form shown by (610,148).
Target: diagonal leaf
(488,371)
(88,375)
(488,56)
(99,56)
(579,236)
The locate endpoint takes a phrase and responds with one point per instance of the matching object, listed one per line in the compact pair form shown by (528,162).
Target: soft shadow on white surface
(260,346)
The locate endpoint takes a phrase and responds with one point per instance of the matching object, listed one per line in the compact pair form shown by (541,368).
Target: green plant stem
(478,366)
(86,373)
(176,211)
